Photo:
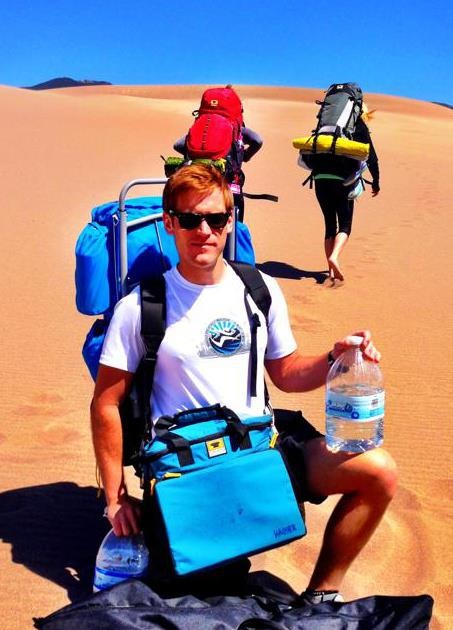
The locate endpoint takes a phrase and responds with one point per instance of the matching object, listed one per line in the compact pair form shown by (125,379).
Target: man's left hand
(367,346)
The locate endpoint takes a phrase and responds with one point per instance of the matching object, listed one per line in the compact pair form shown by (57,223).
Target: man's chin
(204,261)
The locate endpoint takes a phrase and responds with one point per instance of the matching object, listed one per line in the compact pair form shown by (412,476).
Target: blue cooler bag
(215,490)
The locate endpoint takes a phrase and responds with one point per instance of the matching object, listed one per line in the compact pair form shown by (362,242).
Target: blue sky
(388,46)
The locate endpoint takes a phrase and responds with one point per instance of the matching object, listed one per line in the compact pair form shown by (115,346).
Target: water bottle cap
(354,340)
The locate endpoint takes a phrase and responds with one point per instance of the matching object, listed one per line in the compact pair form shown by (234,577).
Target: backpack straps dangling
(308,179)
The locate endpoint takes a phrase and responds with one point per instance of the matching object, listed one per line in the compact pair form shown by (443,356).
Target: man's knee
(381,474)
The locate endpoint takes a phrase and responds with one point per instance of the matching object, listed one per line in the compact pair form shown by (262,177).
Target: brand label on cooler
(355,408)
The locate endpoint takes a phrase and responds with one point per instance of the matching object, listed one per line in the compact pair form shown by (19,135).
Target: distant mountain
(443,104)
(62,82)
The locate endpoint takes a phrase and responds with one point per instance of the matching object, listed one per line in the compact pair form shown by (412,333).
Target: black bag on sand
(133,604)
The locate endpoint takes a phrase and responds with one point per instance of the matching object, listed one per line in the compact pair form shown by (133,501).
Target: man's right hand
(125,516)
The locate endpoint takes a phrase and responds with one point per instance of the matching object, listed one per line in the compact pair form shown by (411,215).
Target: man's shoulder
(254,271)
(128,304)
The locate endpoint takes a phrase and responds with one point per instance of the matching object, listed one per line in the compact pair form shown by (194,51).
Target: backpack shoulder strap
(257,288)
(152,330)
(255,285)
(153,314)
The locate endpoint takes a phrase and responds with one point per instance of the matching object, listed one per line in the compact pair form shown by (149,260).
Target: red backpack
(216,132)
(222,101)
(210,137)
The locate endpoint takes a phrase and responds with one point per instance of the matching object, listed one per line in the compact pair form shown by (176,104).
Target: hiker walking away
(193,371)
(209,137)
(335,199)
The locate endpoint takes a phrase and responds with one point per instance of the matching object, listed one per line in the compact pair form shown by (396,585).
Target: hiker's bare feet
(334,269)
(331,276)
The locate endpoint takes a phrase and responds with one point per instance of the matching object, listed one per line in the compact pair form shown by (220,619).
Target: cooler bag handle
(179,445)
(238,432)
(194,416)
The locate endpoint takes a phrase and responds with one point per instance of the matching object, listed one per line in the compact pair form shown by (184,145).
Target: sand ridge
(65,151)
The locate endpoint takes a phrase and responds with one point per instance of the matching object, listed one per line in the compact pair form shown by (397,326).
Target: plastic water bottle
(120,558)
(354,402)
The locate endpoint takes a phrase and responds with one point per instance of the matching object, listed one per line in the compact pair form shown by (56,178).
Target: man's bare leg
(368,483)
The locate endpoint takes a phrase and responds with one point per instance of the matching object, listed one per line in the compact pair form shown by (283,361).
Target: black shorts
(294,432)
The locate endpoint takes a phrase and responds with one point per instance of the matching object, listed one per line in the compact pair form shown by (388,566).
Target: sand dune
(64,151)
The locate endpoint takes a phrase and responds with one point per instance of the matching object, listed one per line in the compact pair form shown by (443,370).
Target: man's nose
(204,227)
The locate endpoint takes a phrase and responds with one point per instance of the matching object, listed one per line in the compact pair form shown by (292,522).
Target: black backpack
(339,111)
(135,411)
(337,116)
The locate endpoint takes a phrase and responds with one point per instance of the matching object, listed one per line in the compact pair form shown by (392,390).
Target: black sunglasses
(192,220)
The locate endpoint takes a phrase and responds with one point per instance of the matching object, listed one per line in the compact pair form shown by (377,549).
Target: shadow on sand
(55,530)
(278,269)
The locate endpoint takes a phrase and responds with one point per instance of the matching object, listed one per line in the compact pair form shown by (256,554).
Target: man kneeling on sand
(203,288)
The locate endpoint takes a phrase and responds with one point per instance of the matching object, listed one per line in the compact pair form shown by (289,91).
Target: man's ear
(229,225)
(168,223)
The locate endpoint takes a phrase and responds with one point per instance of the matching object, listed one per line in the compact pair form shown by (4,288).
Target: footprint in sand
(58,433)
(43,404)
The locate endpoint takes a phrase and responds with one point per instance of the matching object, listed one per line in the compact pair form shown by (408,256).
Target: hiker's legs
(339,243)
(328,248)
(345,211)
(367,482)
(327,193)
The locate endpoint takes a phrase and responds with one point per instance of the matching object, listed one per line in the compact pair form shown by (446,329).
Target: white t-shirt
(204,356)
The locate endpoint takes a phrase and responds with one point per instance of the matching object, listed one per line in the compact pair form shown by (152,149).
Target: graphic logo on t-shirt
(224,336)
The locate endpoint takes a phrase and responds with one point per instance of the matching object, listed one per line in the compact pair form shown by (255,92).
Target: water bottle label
(355,408)
(106,578)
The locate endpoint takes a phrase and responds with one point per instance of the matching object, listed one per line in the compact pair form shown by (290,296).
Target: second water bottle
(354,402)
(120,558)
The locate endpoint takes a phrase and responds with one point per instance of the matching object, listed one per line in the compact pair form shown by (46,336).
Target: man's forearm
(297,373)
(108,447)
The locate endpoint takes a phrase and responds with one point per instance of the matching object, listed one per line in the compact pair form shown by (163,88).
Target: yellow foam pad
(348,148)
